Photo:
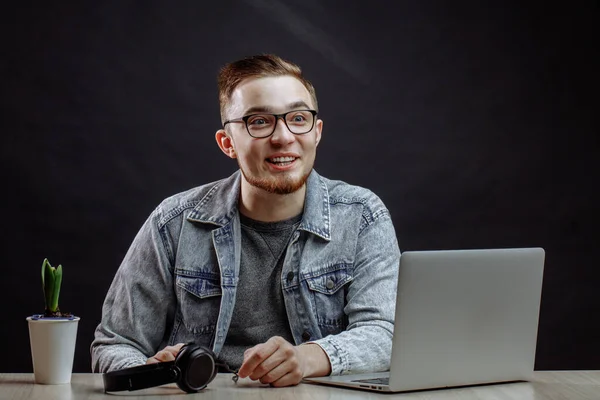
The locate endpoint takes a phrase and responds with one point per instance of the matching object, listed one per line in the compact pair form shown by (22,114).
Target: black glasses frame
(245,119)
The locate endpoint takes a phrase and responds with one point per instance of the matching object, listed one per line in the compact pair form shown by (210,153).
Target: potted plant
(53,334)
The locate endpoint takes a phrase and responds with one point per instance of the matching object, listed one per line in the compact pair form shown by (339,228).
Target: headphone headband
(141,377)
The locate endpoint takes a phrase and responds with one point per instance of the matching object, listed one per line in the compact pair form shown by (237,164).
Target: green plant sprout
(51,280)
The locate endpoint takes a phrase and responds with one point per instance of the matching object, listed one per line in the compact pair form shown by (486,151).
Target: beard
(283,184)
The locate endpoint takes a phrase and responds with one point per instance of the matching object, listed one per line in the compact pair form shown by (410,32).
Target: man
(283,273)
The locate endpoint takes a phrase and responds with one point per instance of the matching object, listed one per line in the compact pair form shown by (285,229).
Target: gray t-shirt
(259,311)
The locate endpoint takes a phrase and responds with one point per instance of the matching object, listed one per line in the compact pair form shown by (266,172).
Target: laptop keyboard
(378,381)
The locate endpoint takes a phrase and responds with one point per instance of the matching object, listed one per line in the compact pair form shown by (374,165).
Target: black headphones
(193,369)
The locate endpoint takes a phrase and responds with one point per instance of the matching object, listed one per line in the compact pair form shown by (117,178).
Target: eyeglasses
(263,125)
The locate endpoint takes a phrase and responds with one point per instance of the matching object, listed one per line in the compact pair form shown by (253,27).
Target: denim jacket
(177,282)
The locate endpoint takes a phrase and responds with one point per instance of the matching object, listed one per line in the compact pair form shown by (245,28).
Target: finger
(248,351)
(268,365)
(161,356)
(169,353)
(175,349)
(252,358)
(276,372)
(164,356)
(255,356)
(291,378)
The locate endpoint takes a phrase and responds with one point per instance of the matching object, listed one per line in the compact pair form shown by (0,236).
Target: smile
(281,161)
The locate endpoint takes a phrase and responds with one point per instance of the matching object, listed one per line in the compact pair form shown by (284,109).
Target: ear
(318,129)
(225,143)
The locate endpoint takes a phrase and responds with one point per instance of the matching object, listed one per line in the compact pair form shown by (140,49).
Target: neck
(261,205)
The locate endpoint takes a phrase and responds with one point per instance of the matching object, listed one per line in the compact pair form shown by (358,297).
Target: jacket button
(305,335)
(329,284)
(290,276)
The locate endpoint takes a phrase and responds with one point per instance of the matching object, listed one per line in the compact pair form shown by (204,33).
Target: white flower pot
(52,348)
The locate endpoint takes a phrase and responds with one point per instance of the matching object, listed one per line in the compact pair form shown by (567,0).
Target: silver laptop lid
(466,317)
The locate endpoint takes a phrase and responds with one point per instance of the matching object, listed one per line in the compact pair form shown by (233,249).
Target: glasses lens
(261,125)
(299,121)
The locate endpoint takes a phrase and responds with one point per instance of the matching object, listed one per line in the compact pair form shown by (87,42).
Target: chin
(283,184)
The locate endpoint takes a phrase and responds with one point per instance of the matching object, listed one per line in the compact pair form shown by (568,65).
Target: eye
(299,118)
(258,120)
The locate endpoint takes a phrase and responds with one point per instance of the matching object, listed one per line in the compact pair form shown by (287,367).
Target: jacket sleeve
(139,304)
(366,344)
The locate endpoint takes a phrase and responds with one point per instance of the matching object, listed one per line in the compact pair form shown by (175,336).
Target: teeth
(282,159)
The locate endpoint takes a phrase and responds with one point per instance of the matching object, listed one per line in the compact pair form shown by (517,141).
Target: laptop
(463,317)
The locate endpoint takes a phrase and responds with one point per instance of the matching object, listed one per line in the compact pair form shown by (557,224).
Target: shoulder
(341,192)
(175,205)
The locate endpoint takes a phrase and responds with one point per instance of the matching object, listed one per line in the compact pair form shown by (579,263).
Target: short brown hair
(257,66)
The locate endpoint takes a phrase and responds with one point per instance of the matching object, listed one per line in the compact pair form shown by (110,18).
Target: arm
(365,346)
(139,304)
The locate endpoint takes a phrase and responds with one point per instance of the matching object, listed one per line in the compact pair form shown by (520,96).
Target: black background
(477,126)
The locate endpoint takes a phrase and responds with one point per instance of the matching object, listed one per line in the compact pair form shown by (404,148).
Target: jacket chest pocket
(199,297)
(329,297)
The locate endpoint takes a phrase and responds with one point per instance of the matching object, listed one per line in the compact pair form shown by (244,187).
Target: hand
(279,363)
(167,354)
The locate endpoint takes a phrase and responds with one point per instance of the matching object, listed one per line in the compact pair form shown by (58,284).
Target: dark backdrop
(477,126)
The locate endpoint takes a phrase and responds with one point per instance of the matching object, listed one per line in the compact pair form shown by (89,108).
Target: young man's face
(281,162)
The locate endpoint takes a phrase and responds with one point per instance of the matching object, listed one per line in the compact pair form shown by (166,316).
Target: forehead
(273,92)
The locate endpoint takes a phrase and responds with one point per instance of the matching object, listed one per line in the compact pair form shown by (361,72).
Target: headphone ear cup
(197,366)
(215,367)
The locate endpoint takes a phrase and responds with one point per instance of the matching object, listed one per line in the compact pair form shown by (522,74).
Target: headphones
(193,369)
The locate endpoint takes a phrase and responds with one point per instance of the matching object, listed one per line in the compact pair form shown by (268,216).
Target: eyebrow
(270,110)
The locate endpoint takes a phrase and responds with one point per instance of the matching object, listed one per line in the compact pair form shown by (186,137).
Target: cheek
(248,159)
(310,145)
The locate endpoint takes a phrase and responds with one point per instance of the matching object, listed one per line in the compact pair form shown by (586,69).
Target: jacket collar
(316,207)
(220,205)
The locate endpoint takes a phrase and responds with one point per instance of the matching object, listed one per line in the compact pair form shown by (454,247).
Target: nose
(282,134)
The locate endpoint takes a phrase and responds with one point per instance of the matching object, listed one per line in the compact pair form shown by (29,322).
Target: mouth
(281,161)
